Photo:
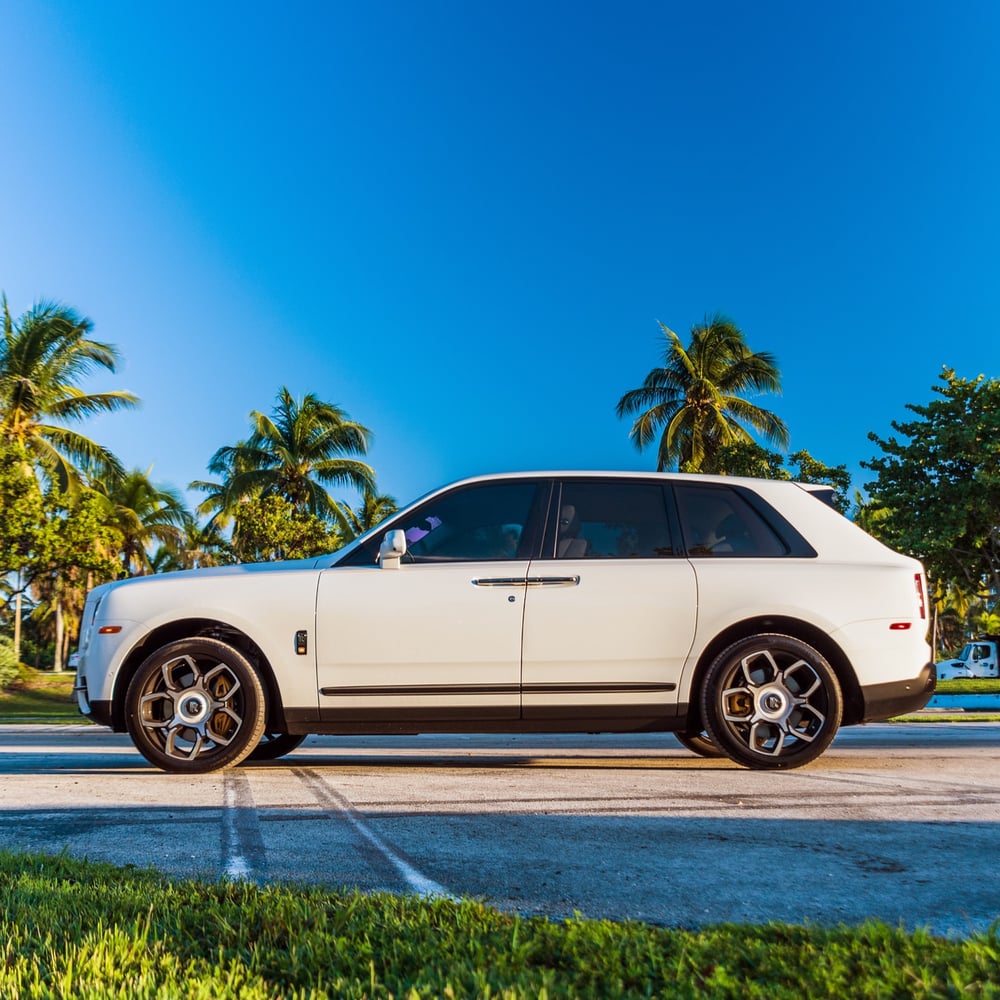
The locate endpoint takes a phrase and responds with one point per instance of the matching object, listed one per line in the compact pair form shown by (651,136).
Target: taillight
(918,583)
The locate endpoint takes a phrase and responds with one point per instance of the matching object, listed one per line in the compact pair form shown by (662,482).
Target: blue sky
(461,222)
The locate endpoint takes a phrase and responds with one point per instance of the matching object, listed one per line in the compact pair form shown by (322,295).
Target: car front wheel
(771,701)
(195,705)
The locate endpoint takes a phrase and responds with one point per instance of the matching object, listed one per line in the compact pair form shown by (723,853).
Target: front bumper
(885,701)
(80,693)
(99,711)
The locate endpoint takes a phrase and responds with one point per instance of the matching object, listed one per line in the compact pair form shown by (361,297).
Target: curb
(966,702)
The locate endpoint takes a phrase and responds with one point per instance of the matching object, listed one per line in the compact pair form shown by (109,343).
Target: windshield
(974,651)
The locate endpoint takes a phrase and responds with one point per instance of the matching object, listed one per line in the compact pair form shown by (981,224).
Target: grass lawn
(40,696)
(77,929)
(985,685)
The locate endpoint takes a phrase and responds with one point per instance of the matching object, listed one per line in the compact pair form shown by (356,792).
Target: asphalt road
(898,822)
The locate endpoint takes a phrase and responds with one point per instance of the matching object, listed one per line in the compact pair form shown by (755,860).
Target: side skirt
(557,719)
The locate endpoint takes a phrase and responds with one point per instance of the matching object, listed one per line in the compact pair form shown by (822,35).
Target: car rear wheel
(275,745)
(195,705)
(700,743)
(771,701)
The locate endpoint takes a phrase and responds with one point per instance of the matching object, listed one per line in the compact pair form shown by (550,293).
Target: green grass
(949,717)
(985,685)
(40,697)
(76,929)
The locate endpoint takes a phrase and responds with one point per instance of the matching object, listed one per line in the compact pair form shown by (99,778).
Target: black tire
(771,701)
(700,743)
(195,705)
(275,745)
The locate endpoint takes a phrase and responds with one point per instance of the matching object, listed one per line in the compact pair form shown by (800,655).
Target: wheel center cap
(192,709)
(773,703)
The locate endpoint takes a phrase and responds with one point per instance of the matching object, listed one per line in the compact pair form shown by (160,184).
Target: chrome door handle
(499,581)
(553,581)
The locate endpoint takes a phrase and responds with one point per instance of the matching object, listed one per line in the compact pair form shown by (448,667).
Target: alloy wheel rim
(188,710)
(774,709)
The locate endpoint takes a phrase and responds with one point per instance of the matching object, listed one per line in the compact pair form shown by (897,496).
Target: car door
(439,637)
(610,607)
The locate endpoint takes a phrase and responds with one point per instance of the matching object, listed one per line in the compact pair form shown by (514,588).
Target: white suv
(747,616)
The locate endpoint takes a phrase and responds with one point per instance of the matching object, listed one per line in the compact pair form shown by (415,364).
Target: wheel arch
(192,628)
(797,629)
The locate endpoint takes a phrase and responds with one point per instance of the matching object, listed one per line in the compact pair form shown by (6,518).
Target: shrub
(9,667)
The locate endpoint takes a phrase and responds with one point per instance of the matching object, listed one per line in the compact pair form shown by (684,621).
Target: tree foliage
(696,400)
(71,517)
(937,483)
(270,528)
(373,510)
(295,452)
(8,662)
(142,512)
(746,458)
(44,355)
(22,516)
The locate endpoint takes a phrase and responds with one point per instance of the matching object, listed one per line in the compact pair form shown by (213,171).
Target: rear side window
(717,521)
(604,520)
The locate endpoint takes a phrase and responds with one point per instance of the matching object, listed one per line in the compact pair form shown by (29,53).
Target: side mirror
(392,549)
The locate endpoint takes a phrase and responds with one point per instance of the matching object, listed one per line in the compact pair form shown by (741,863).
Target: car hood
(241,569)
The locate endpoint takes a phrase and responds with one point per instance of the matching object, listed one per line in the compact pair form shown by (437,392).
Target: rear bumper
(884,701)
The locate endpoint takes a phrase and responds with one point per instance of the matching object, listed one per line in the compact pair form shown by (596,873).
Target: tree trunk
(17,621)
(58,651)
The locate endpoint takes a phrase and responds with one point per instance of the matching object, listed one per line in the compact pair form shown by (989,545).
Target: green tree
(956,610)
(9,662)
(868,515)
(201,545)
(695,401)
(937,483)
(222,501)
(22,528)
(374,509)
(142,513)
(811,470)
(22,516)
(270,528)
(747,458)
(44,356)
(77,550)
(296,452)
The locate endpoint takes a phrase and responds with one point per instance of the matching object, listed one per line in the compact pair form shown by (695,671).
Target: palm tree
(221,503)
(200,546)
(696,400)
(295,453)
(375,508)
(43,357)
(142,513)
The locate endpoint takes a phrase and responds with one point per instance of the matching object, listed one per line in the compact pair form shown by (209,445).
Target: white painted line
(237,797)
(417,882)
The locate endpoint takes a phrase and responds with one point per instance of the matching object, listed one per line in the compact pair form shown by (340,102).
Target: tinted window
(717,521)
(612,521)
(476,523)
